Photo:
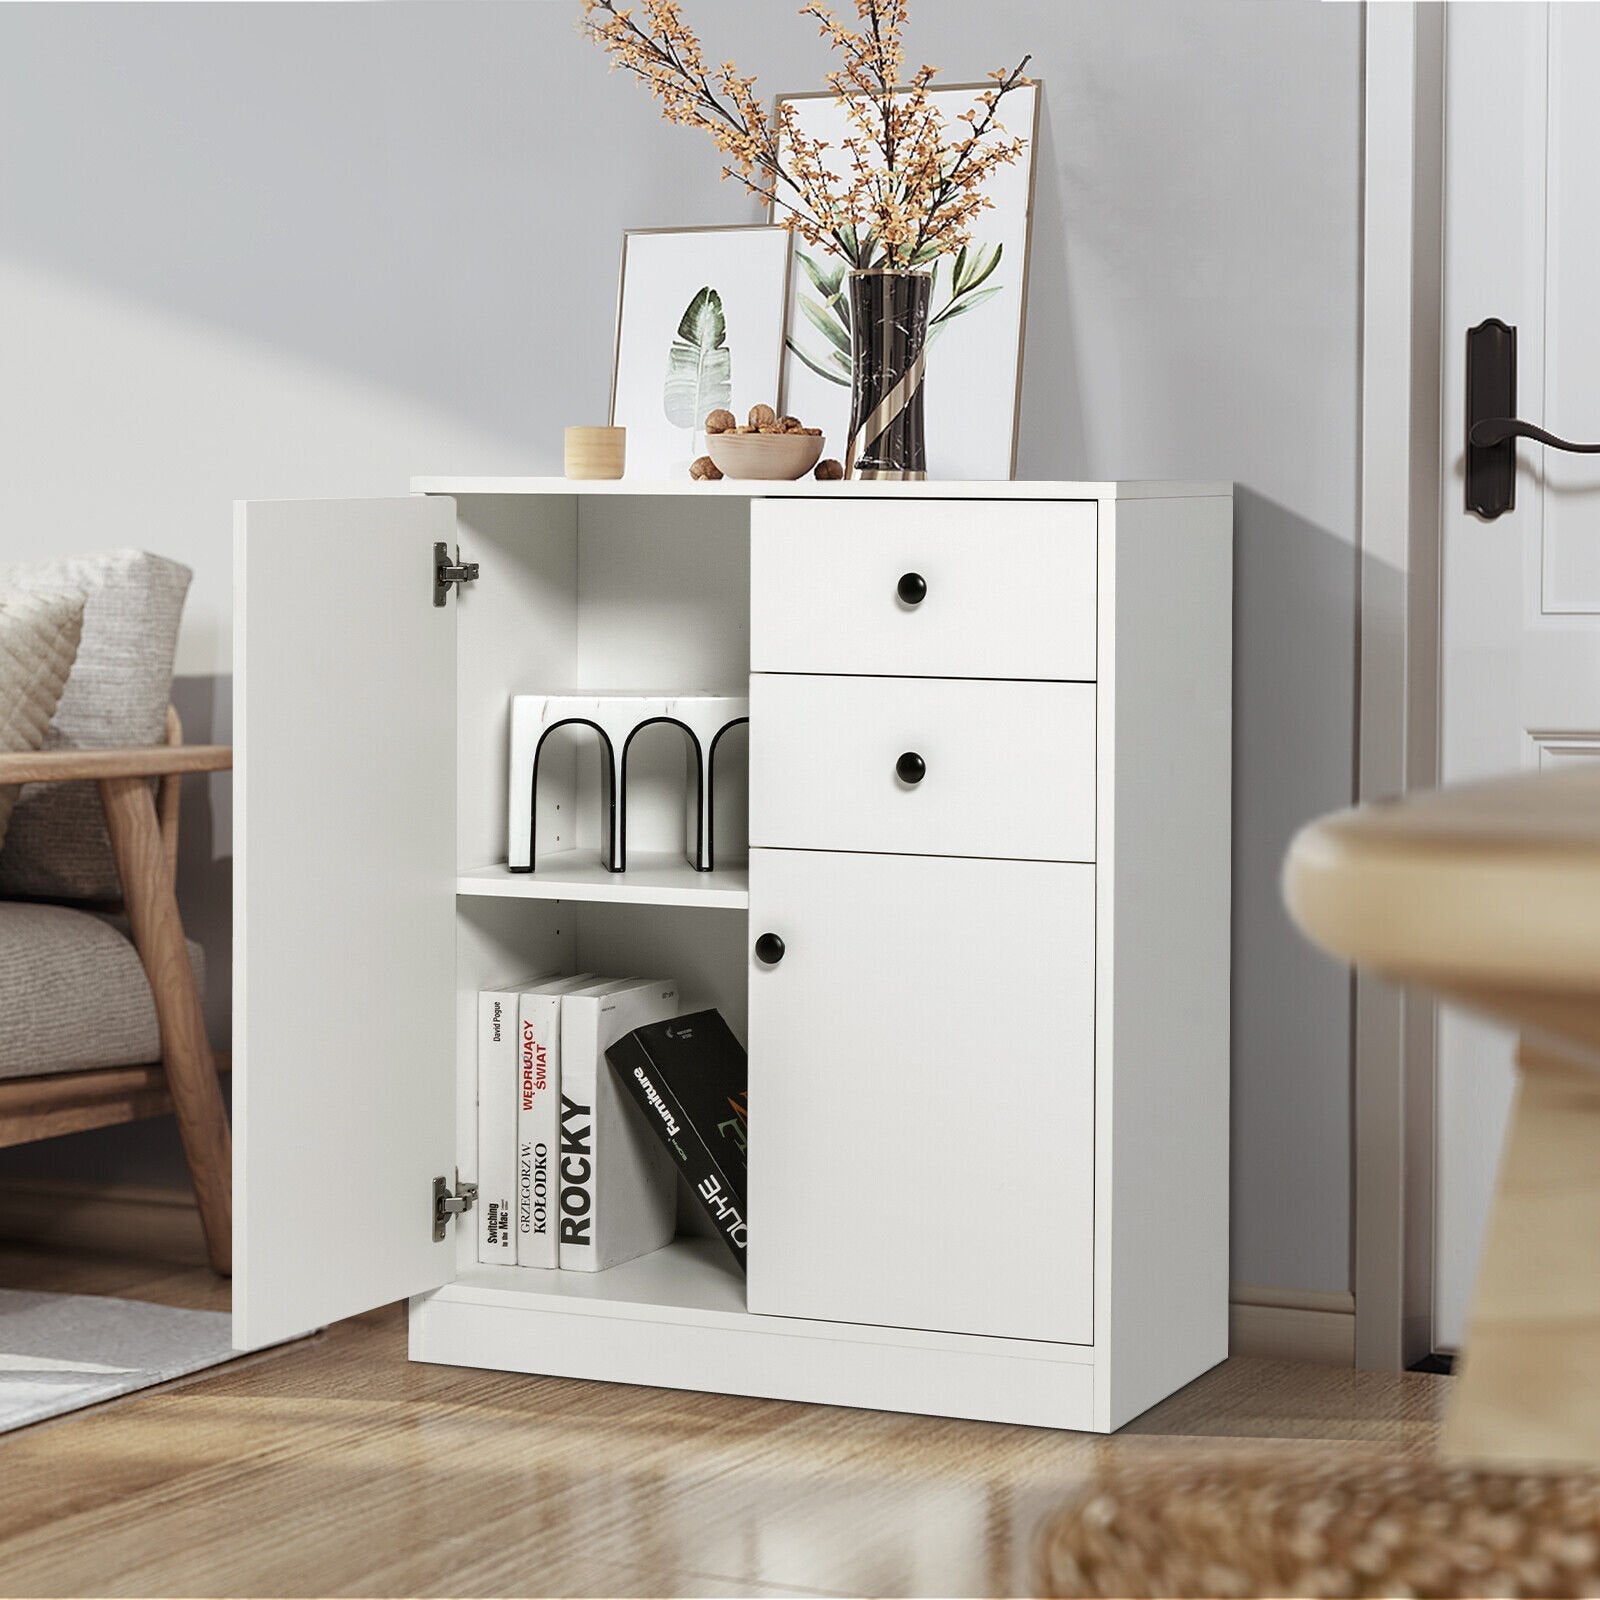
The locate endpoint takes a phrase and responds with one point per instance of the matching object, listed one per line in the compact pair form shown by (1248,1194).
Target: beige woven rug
(1352,1529)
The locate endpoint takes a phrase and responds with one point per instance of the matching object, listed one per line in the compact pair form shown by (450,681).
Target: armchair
(143,829)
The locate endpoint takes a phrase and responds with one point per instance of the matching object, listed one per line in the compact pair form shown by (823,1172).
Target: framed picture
(973,391)
(699,328)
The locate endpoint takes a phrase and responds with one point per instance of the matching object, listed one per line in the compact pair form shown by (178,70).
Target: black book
(689,1078)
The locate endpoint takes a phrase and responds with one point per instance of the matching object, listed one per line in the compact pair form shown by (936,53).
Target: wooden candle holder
(595,453)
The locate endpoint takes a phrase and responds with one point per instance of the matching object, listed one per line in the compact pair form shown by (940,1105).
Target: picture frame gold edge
(1027,272)
(710,227)
(1037,85)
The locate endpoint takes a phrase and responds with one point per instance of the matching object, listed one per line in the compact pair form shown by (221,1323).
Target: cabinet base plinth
(773,1358)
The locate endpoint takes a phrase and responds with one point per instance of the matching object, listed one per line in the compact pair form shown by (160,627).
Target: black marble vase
(888,340)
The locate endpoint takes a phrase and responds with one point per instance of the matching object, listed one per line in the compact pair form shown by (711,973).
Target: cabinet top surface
(751,489)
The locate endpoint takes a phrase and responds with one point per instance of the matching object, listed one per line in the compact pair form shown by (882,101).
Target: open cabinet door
(344,909)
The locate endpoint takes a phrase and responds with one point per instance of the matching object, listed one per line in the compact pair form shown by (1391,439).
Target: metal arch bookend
(617,719)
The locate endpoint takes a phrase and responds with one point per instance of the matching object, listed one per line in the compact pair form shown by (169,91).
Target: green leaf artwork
(829,312)
(699,363)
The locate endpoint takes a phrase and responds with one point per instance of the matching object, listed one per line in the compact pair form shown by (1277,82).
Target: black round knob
(912,588)
(769,949)
(911,768)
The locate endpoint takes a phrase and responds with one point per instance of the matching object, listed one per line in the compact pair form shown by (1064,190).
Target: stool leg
(1528,1393)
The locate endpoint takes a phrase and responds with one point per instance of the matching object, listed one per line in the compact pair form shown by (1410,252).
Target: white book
(539,1118)
(497,1122)
(618,1183)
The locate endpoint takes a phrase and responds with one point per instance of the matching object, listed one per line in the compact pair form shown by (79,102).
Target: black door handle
(1496,430)
(1493,426)
(769,949)
(911,768)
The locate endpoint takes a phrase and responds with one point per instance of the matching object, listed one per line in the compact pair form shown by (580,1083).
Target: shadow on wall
(316,213)
(1052,369)
(1132,373)
(1294,690)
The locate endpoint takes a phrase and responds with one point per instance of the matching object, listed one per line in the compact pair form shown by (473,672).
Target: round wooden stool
(1489,894)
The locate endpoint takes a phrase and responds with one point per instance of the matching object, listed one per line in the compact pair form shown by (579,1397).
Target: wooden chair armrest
(142,761)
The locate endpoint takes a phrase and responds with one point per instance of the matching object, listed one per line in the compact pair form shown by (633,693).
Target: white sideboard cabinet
(970,913)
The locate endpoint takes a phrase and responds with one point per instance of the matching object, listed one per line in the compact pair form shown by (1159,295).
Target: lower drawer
(923,766)
(922,1093)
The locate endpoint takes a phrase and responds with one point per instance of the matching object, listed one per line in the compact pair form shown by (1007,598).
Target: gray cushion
(73,993)
(56,847)
(39,632)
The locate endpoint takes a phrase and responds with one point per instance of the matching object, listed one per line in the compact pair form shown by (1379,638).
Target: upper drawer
(1010,588)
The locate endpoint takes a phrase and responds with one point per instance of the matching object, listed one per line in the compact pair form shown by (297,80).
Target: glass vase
(888,343)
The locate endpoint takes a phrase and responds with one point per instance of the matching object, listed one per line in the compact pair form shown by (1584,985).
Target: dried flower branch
(913,184)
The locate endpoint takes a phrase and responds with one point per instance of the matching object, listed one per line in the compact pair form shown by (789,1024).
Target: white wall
(306,250)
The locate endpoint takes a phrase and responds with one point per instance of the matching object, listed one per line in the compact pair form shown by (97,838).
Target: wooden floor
(336,1467)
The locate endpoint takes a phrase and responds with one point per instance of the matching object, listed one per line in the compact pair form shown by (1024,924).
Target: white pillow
(39,634)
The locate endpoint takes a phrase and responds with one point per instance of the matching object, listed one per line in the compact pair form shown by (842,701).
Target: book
(538,1120)
(616,1187)
(689,1080)
(497,1123)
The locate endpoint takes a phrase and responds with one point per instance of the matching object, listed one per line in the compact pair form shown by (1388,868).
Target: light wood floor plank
(336,1467)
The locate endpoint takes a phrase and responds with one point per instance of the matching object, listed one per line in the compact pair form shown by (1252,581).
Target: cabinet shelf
(693,1284)
(694,1275)
(651,880)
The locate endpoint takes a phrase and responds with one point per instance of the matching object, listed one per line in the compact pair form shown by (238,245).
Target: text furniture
(1489,894)
(979,953)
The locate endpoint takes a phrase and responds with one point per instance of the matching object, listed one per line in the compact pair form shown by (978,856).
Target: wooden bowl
(772,456)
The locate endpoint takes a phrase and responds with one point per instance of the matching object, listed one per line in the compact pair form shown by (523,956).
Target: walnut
(811,433)
(829,470)
(790,425)
(762,417)
(720,421)
(704,468)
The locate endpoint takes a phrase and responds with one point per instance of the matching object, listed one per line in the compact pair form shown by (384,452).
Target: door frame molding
(1397,742)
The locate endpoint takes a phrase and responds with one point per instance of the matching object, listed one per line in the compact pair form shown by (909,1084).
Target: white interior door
(1520,624)
(344,910)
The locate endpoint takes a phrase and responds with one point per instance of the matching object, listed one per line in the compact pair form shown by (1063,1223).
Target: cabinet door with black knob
(922,1092)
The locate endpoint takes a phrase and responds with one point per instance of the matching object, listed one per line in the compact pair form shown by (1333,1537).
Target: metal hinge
(446,571)
(449,1203)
